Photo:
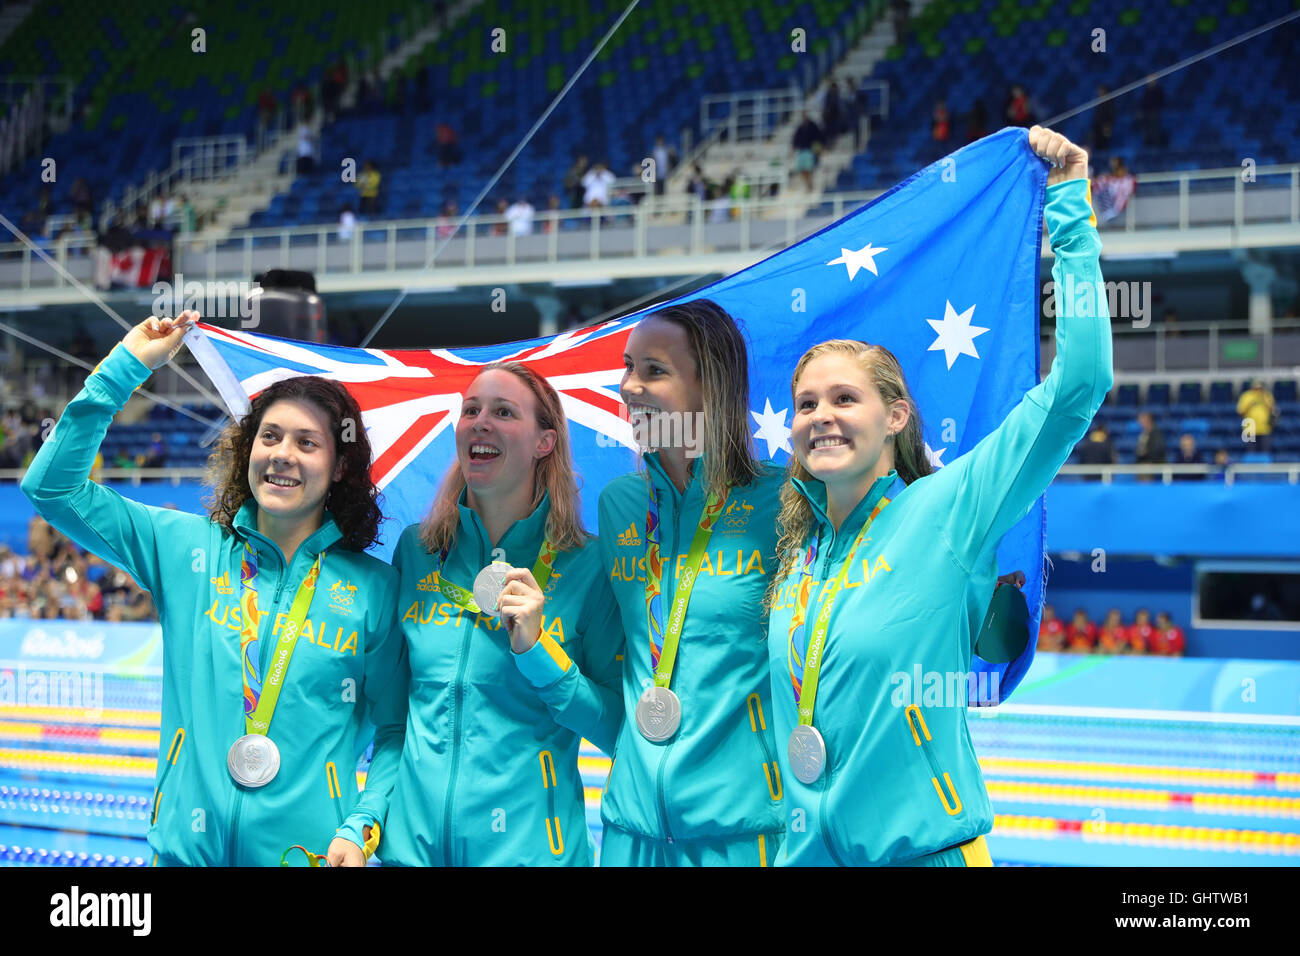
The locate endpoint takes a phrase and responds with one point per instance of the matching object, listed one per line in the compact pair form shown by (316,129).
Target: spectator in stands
(520,216)
(1113,636)
(739,191)
(189,218)
(806,141)
(553,207)
(1097,448)
(1081,635)
(940,125)
(82,200)
(1171,323)
(1140,634)
(977,121)
(1103,122)
(1221,462)
(266,108)
(156,456)
(1149,115)
(347,222)
(595,185)
(499,228)
(1168,639)
(1051,631)
(368,187)
(573,181)
(306,149)
(1188,454)
(665,158)
(1112,190)
(449,151)
(832,115)
(300,100)
(1018,111)
(1259,413)
(1150,444)
(446,225)
(901,11)
(331,89)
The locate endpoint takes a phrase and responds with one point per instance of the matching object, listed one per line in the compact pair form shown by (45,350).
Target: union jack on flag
(942,270)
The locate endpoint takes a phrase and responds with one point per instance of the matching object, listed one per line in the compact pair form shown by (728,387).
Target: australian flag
(942,270)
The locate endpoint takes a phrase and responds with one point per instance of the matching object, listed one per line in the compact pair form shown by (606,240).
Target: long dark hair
(722,363)
(352,500)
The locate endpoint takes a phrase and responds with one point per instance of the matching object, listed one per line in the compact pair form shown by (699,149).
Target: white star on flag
(956,334)
(862,259)
(771,428)
(933,456)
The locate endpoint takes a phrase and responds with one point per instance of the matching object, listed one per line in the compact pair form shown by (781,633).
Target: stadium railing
(659,224)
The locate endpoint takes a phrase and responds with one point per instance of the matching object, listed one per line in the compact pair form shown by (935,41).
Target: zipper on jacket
(462,662)
(821,824)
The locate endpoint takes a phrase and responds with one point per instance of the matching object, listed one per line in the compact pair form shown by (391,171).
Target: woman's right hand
(154,341)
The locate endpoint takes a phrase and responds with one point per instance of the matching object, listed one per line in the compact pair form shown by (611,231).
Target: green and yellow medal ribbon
(663,641)
(260,697)
(804,674)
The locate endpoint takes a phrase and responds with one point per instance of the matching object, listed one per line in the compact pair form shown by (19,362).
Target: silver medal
(658,714)
(253,761)
(807,752)
(489,584)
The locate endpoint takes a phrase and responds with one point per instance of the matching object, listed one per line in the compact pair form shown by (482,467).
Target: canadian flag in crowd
(135,267)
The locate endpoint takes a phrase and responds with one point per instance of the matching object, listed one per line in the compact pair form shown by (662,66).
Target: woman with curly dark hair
(258,742)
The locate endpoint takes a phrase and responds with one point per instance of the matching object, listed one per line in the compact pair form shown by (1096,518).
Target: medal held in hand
(488,585)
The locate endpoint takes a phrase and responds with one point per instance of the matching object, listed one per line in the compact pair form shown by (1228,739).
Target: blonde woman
(872,586)
(513,644)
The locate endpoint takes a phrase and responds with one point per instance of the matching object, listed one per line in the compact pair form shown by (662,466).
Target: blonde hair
(553,475)
(885,374)
(722,364)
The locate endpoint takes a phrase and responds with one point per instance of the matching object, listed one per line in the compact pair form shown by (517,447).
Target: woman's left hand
(1068,161)
(1016,578)
(521,605)
(343,852)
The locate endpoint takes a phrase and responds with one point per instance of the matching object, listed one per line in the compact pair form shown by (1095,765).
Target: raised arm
(123,532)
(994,485)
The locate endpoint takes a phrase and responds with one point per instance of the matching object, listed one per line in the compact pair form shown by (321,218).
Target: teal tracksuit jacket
(489,775)
(340,678)
(901,779)
(717,778)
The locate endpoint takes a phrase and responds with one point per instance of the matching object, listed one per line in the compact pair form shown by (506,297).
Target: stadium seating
(140,86)
(1212,117)
(649,79)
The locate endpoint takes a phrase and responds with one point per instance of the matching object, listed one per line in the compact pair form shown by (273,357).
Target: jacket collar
(324,537)
(814,491)
(659,477)
(524,535)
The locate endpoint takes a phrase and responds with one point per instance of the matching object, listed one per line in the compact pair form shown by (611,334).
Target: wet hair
(352,500)
(553,474)
(885,374)
(722,364)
